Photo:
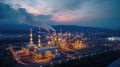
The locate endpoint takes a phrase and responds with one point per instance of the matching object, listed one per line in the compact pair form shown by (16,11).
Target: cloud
(67,11)
(11,16)
(61,10)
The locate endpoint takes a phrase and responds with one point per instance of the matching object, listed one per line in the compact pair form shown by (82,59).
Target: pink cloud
(69,18)
(65,17)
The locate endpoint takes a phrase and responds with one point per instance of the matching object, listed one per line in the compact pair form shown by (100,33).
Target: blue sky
(92,13)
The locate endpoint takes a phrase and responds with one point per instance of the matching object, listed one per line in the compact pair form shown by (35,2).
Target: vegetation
(6,58)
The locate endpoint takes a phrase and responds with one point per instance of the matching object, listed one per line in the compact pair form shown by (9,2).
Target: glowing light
(43,54)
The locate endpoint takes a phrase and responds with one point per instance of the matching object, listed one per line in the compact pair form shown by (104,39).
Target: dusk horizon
(91,13)
(59,33)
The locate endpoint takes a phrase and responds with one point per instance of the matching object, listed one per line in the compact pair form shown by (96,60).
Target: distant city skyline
(91,13)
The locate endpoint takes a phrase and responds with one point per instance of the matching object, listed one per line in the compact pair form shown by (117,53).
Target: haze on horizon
(92,13)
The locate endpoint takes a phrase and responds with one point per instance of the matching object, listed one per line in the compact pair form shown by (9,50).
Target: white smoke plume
(37,24)
(42,25)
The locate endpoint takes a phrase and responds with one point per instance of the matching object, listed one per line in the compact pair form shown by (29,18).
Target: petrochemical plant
(39,53)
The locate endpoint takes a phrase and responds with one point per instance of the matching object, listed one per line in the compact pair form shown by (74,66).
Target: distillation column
(31,39)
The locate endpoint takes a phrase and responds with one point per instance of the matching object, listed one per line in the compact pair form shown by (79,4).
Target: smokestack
(39,41)
(31,39)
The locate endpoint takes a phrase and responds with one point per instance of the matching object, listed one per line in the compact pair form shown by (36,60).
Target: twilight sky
(92,13)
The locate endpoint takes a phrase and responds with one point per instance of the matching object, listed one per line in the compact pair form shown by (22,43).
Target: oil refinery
(57,44)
